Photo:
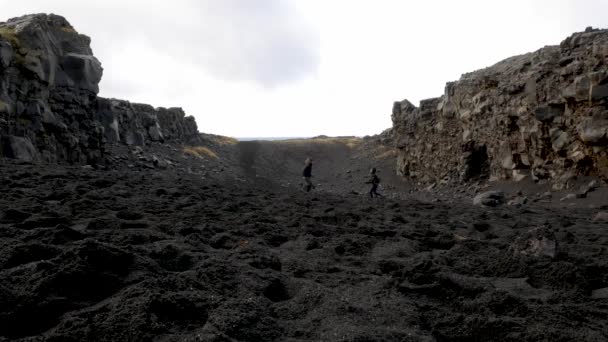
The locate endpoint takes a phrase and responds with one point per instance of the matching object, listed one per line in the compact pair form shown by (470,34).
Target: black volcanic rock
(135,123)
(231,261)
(541,115)
(49,49)
(49,109)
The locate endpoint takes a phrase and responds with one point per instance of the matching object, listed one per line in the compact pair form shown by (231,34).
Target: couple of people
(374,180)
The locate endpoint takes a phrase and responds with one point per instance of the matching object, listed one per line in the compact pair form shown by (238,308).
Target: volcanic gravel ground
(89,255)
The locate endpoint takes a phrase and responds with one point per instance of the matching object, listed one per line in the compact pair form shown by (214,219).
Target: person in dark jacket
(307,174)
(374,180)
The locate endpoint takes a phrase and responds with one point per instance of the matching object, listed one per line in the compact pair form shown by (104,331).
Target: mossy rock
(68,29)
(10,35)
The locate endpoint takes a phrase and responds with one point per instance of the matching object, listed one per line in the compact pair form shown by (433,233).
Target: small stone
(600,293)
(518,176)
(602,216)
(137,150)
(518,201)
(537,242)
(592,186)
(490,198)
(568,197)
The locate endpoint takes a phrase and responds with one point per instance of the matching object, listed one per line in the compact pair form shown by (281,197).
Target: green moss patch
(10,35)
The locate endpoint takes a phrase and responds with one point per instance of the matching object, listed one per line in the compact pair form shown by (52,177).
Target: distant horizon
(292,138)
(268,138)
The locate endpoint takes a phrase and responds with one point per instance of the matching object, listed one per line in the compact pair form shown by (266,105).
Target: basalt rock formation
(542,115)
(49,108)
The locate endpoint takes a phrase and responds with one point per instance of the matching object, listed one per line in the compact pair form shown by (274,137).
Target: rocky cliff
(542,115)
(49,109)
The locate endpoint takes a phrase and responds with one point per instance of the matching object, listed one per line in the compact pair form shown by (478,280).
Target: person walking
(374,180)
(307,174)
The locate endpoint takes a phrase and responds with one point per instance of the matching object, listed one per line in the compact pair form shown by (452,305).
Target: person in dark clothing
(374,180)
(307,174)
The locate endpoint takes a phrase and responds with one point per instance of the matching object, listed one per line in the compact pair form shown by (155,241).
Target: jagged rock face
(542,115)
(49,109)
(48,80)
(48,48)
(134,123)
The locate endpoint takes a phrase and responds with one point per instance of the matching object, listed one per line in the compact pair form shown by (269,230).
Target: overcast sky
(262,68)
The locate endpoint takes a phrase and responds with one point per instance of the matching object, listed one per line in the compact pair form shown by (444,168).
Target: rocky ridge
(49,108)
(541,116)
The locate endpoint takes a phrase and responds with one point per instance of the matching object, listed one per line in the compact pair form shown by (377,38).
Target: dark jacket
(373,179)
(307,171)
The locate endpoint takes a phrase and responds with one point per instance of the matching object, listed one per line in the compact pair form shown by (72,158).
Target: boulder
(20,148)
(81,71)
(579,89)
(592,186)
(507,161)
(155,133)
(406,106)
(568,197)
(600,293)
(602,216)
(134,138)
(545,196)
(594,131)
(537,242)
(548,113)
(559,140)
(489,198)
(519,175)
(518,201)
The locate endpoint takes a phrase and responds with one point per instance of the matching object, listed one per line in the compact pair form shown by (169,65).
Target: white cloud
(304,67)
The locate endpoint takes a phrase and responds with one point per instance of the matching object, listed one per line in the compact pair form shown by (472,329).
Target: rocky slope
(49,109)
(542,115)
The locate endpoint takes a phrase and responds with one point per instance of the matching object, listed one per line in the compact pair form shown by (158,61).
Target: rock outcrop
(49,109)
(542,115)
(136,124)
